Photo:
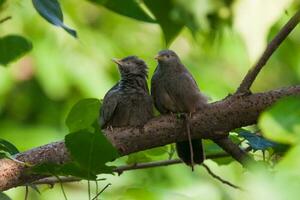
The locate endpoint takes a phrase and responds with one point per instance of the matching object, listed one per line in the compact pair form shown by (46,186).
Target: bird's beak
(117,61)
(158,57)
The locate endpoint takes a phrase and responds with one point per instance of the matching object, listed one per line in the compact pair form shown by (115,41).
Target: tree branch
(211,123)
(271,48)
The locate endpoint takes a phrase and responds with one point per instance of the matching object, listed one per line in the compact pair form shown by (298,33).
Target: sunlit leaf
(83,114)
(91,151)
(281,123)
(13,47)
(158,151)
(51,11)
(162,10)
(129,8)
(139,157)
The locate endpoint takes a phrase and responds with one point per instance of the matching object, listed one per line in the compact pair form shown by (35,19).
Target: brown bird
(128,103)
(174,90)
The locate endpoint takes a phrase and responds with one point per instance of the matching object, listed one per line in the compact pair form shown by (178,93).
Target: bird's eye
(167,56)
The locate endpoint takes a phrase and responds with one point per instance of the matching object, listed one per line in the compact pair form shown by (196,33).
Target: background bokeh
(37,91)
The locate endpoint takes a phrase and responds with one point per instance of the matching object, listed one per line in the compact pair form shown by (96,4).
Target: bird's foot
(110,128)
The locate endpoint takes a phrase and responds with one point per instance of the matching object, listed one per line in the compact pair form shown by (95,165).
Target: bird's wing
(185,93)
(108,107)
(158,92)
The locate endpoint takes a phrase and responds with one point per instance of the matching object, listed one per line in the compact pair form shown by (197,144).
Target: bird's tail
(183,151)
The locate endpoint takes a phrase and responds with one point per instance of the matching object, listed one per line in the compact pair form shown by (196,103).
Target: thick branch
(211,123)
(271,48)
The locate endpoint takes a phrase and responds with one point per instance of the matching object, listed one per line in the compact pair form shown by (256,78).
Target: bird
(174,90)
(128,102)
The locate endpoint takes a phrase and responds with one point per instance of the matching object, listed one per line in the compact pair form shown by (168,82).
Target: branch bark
(213,122)
(271,48)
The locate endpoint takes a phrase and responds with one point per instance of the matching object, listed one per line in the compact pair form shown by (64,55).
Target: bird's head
(131,65)
(167,56)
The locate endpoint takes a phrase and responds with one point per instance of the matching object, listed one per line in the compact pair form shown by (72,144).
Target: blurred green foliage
(218,41)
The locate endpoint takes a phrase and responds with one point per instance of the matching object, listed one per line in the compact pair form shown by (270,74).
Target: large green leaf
(51,11)
(13,47)
(129,8)
(91,150)
(163,12)
(83,114)
(281,122)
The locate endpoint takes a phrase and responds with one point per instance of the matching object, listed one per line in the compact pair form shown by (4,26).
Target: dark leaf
(83,114)
(4,196)
(51,11)
(13,47)
(163,12)
(91,151)
(256,142)
(8,147)
(129,8)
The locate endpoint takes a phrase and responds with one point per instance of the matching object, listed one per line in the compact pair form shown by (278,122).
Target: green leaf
(3,196)
(8,147)
(256,142)
(51,11)
(281,122)
(13,47)
(158,151)
(163,12)
(129,8)
(83,114)
(91,151)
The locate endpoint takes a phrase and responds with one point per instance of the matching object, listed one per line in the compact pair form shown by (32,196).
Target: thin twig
(52,180)
(101,191)
(136,166)
(219,178)
(272,46)
(5,19)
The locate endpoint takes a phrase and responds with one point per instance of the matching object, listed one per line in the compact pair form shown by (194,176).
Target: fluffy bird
(128,103)
(175,91)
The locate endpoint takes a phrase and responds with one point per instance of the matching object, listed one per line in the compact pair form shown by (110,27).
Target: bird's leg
(188,130)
